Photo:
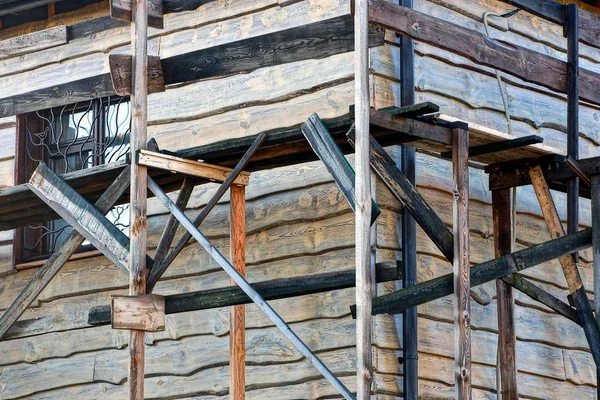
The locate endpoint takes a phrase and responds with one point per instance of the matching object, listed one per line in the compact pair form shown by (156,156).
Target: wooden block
(121,10)
(140,313)
(189,167)
(35,41)
(120,72)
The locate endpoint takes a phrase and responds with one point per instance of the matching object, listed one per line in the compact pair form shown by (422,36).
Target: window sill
(74,257)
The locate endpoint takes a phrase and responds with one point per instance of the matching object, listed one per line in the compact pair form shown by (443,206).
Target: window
(68,139)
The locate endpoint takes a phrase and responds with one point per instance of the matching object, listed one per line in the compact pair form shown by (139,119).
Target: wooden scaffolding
(82,198)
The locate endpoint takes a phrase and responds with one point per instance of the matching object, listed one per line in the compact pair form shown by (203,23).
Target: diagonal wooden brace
(248,289)
(55,262)
(81,215)
(569,266)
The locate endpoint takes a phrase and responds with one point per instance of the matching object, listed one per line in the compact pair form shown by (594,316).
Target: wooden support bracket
(122,10)
(139,313)
(121,74)
(191,168)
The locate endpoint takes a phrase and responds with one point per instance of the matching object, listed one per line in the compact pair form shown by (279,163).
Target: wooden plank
(437,288)
(500,146)
(316,40)
(32,42)
(161,267)
(237,343)
(81,215)
(138,193)
(270,290)
(162,248)
(141,313)
(57,259)
(121,74)
(173,6)
(537,68)
(323,144)
(412,110)
(570,270)
(507,348)
(595,188)
(363,214)
(190,168)
(410,198)
(247,288)
(461,263)
(122,10)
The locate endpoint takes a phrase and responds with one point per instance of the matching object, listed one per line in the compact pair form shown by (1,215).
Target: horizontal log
(532,67)
(34,41)
(269,290)
(397,302)
(122,10)
(318,40)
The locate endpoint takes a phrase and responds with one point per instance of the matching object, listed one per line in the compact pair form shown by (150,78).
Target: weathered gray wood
(461,263)
(245,286)
(433,289)
(323,144)
(159,268)
(32,42)
(122,10)
(500,146)
(595,187)
(363,214)
(537,68)
(138,193)
(162,248)
(507,346)
(81,215)
(406,193)
(568,264)
(270,290)
(44,275)
(121,74)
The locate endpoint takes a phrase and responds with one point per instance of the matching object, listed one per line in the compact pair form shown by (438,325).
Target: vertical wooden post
(364,362)
(462,287)
(595,189)
(501,211)
(409,227)
(572,28)
(237,344)
(139,182)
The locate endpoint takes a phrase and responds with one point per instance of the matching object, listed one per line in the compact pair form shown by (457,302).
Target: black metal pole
(409,227)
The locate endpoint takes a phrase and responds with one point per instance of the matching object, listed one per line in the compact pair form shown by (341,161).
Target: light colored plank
(192,168)
(33,42)
(139,313)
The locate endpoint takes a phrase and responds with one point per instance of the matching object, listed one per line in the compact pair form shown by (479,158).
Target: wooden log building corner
(304,199)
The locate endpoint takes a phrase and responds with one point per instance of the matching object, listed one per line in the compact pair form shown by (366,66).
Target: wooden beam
(247,288)
(138,194)
(500,146)
(325,147)
(317,40)
(159,268)
(461,263)
(535,67)
(237,341)
(363,214)
(507,339)
(34,41)
(412,110)
(173,6)
(140,313)
(573,164)
(574,282)
(58,258)
(190,168)
(166,238)
(121,74)
(81,215)
(410,198)
(595,189)
(555,12)
(123,10)
(411,129)
(397,302)
(270,290)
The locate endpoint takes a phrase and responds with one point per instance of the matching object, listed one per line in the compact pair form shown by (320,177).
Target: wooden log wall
(298,221)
